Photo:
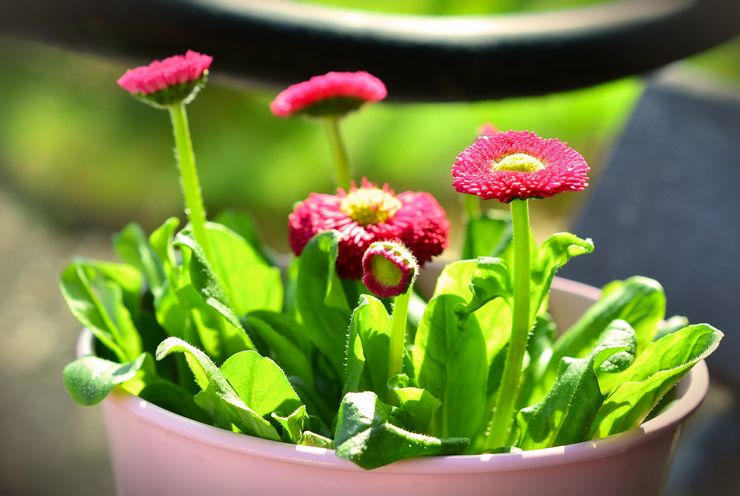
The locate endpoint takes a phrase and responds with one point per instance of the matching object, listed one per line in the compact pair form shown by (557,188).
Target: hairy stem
(189,175)
(341,160)
(510,381)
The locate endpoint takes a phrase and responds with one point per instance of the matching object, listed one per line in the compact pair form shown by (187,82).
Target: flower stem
(472,206)
(510,381)
(189,175)
(398,332)
(341,160)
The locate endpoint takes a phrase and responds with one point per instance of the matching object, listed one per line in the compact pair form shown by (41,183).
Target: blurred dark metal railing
(419,57)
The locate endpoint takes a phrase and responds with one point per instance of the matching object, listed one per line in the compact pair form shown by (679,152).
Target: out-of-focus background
(79,158)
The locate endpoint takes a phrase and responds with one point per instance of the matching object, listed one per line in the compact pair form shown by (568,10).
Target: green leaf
(539,351)
(280,333)
(368,348)
(449,358)
(133,247)
(249,282)
(619,334)
(416,408)
(309,438)
(671,325)
(260,383)
(90,379)
(365,436)
(566,413)
(217,396)
(637,390)
(174,399)
(554,253)
(638,300)
(292,424)
(181,310)
(96,293)
(320,302)
(487,235)
(490,280)
(206,281)
(243,225)
(455,279)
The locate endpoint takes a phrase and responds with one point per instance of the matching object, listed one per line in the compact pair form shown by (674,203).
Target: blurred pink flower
(334,93)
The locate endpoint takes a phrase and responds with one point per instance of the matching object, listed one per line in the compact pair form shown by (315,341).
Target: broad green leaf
(416,408)
(174,399)
(638,300)
(218,397)
(309,438)
(619,334)
(292,424)
(132,246)
(671,325)
(260,383)
(206,281)
(455,279)
(554,253)
(368,348)
(539,351)
(449,360)
(365,436)
(182,310)
(320,302)
(243,225)
(490,280)
(637,390)
(487,235)
(90,379)
(95,293)
(249,282)
(272,328)
(566,413)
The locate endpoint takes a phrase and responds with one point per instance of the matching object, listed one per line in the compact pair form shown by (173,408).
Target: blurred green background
(82,152)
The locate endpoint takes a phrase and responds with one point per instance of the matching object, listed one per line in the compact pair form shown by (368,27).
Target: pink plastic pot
(155,452)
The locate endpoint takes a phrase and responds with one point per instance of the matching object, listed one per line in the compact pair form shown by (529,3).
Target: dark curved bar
(419,58)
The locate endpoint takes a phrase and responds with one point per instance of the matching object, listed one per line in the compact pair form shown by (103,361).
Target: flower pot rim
(690,393)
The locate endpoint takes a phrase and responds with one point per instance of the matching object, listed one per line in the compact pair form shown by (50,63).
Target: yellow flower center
(518,162)
(385,271)
(370,205)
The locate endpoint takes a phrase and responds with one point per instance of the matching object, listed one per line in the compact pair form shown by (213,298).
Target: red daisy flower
(518,164)
(368,214)
(334,93)
(389,268)
(171,80)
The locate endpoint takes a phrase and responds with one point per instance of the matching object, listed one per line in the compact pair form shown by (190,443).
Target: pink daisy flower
(171,80)
(367,214)
(334,93)
(389,268)
(518,164)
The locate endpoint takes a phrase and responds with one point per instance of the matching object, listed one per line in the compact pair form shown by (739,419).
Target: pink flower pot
(155,452)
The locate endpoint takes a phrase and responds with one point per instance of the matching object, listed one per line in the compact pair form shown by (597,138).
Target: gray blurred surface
(49,444)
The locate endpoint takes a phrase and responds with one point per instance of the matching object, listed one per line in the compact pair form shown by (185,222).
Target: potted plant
(223,371)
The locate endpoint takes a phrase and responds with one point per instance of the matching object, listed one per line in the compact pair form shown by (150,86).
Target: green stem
(189,175)
(398,332)
(472,206)
(341,160)
(510,381)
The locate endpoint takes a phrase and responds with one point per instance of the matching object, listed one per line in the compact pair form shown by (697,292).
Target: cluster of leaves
(303,357)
